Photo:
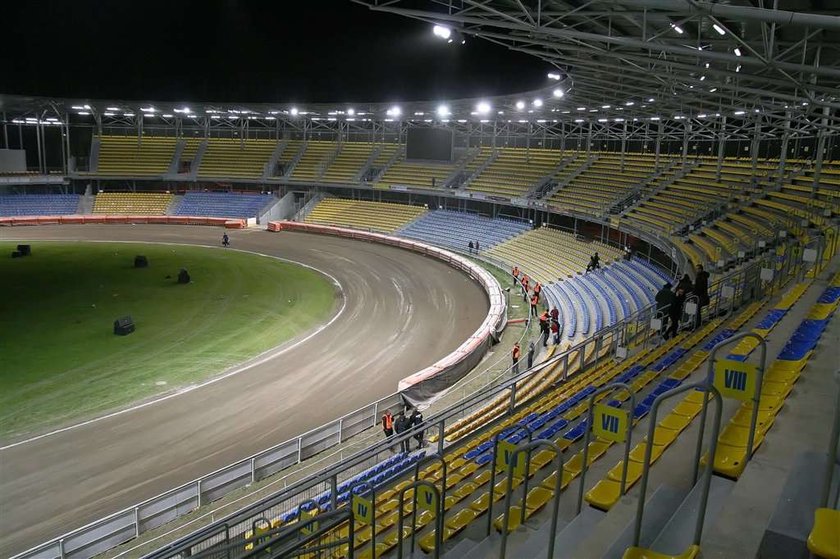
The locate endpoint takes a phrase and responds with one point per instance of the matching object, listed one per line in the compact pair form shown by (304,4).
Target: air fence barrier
(726,294)
(125,525)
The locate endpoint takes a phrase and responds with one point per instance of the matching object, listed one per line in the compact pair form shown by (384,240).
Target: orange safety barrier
(235,224)
(72,219)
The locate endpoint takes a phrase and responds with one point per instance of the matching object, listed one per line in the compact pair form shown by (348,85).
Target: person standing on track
(477,247)
(470,246)
(516,353)
(225,240)
(515,273)
(538,290)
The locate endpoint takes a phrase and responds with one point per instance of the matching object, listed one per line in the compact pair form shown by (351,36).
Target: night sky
(245,50)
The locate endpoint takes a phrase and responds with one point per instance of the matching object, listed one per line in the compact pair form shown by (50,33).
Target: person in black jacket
(675,313)
(664,298)
(401,425)
(417,421)
(701,289)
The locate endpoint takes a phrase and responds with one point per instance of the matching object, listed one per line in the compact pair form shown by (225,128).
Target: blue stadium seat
(222,204)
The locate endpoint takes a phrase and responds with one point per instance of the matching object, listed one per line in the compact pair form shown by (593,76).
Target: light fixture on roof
(394,111)
(605,106)
(702,115)
(558,93)
(167,116)
(520,105)
(738,68)
(184,110)
(87,107)
(578,120)
(112,108)
(443,111)
(713,90)
(483,108)
(677,28)
(83,113)
(719,29)
(351,111)
(581,108)
(149,115)
(77,107)
(442,31)
(129,115)
(538,102)
(739,113)
(602,120)
(293,111)
(553,76)
(651,100)
(629,104)
(109,114)
(148,109)
(737,51)
(654,118)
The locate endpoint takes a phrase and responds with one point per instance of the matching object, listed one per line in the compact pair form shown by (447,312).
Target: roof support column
(820,149)
(38,134)
(686,132)
(754,144)
(721,144)
(784,150)
(659,131)
(623,146)
(589,140)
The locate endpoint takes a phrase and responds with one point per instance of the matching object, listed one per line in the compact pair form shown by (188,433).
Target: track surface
(403,312)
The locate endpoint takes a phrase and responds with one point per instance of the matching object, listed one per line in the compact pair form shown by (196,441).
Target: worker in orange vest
(544,325)
(515,274)
(525,282)
(535,299)
(517,352)
(538,290)
(388,424)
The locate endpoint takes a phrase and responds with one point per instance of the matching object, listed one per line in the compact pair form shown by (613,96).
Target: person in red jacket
(516,353)
(538,290)
(555,331)
(555,314)
(535,299)
(525,282)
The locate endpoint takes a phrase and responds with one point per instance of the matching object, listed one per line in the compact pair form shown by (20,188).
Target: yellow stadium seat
(604,495)
(642,553)
(824,539)
(675,422)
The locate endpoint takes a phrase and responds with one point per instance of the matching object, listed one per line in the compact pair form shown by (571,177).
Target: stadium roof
(673,61)
(688,56)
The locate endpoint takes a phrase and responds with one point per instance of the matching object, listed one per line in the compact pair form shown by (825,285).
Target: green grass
(59,358)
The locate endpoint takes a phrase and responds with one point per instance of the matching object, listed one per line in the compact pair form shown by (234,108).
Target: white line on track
(264,357)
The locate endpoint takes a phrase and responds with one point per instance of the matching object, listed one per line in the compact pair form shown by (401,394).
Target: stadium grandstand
(648,242)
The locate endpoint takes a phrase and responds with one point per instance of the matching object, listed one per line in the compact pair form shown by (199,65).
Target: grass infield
(60,360)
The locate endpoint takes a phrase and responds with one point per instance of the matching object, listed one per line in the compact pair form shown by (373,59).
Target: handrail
(441,509)
(756,398)
(831,462)
(707,476)
(616,386)
(514,457)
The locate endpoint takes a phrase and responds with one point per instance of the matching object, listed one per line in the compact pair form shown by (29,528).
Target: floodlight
(442,111)
(719,29)
(77,107)
(703,115)
(293,111)
(109,114)
(702,78)
(147,109)
(112,108)
(677,28)
(558,93)
(738,68)
(605,106)
(739,113)
(394,111)
(602,120)
(351,111)
(553,76)
(629,104)
(483,107)
(167,116)
(651,100)
(737,51)
(441,31)
(713,90)
(520,105)
(538,102)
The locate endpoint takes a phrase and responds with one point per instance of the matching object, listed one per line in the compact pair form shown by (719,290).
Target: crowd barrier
(134,219)
(425,386)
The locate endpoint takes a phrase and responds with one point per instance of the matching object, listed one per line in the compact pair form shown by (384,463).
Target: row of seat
(607,491)
(132,203)
(457,229)
(363,214)
(222,204)
(549,254)
(38,204)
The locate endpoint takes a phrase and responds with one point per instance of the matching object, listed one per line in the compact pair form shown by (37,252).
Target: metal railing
(726,295)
